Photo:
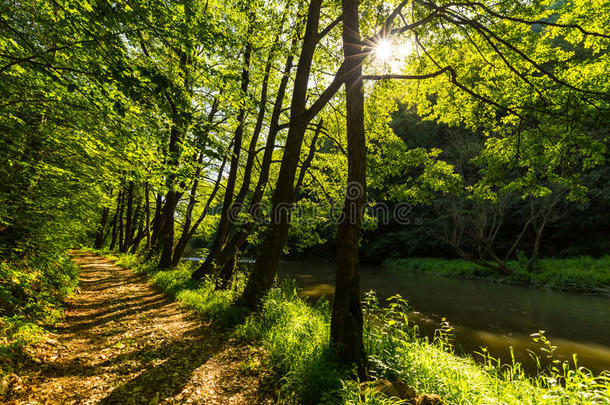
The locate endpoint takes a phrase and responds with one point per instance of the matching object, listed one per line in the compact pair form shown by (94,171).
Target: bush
(32,292)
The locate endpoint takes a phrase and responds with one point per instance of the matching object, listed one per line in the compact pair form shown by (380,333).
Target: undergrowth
(32,291)
(295,335)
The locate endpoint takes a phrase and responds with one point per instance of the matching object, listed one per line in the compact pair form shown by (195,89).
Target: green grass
(584,274)
(216,305)
(295,335)
(398,353)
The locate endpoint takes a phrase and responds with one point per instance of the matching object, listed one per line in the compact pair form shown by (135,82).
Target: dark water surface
(484,314)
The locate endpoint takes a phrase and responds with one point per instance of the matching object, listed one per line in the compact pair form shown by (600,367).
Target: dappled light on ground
(122,342)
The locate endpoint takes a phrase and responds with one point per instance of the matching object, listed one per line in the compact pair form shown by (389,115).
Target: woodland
(466,139)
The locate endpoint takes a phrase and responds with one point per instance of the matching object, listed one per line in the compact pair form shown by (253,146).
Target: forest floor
(123,342)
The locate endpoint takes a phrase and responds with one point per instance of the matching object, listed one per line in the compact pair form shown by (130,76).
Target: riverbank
(294,336)
(582,274)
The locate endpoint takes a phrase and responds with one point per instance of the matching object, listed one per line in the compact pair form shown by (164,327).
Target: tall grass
(295,335)
(399,353)
(576,274)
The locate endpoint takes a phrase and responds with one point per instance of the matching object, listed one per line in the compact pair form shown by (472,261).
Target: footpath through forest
(123,342)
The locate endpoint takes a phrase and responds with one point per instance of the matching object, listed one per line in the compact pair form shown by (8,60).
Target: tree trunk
(177,254)
(347,323)
(135,222)
(99,238)
(238,238)
(120,224)
(115,221)
(245,185)
(227,269)
(223,224)
(147,212)
(225,258)
(178,125)
(128,219)
(157,220)
(262,275)
(140,235)
(166,235)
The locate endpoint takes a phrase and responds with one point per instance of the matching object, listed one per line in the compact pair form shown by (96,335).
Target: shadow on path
(122,342)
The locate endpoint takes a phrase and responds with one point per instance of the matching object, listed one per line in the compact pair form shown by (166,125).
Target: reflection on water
(484,315)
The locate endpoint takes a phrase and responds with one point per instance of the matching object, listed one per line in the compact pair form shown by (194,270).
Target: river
(483,314)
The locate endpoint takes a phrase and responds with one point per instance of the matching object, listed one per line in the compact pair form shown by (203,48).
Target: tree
(262,276)
(349,344)
(347,322)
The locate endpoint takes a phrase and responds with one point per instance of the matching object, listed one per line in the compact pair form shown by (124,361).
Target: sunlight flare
(392,53)
(383,51)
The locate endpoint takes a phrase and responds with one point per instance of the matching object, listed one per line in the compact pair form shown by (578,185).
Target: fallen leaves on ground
(124,343)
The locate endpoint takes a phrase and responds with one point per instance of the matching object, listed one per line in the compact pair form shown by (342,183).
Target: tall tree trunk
(99,238)
(120,224)
(227,266)
(245,186)
(157,220)
(166,235)
(166,224)
(347,324)
(262,275)
(140,235)
(227,258)
(115,220)
(135,226)
(128,219)
(177,254)
(223,225)
(147,213)
(238,238)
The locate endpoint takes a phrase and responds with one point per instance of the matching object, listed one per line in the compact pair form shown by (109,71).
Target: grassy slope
(32,292)
(295,336)
(584,274)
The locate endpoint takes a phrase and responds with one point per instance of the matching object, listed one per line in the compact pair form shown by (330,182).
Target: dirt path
(122,342)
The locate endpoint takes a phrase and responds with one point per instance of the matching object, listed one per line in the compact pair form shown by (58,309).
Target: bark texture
(346,323)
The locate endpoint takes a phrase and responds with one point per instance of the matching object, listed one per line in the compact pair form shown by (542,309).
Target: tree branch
(406,77)
(531,22)
(328,29)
